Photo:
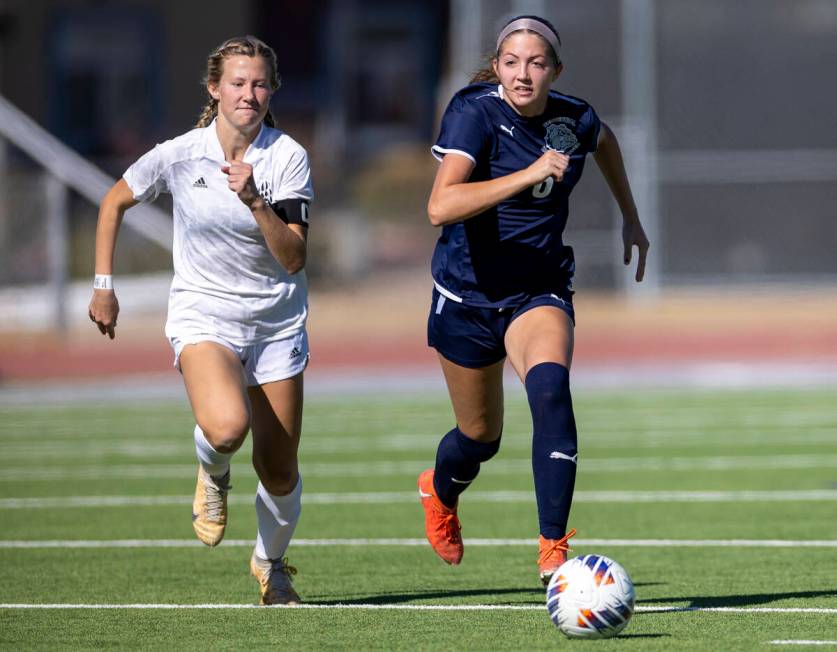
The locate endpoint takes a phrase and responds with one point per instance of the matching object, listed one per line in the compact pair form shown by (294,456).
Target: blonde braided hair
(248,46)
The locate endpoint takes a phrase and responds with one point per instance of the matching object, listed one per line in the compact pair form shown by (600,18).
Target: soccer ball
(590,597)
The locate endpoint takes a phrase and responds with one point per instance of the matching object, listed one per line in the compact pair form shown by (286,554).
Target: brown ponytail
(248,46)
(486,73)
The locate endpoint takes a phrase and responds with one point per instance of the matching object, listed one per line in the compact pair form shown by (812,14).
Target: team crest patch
(560,136)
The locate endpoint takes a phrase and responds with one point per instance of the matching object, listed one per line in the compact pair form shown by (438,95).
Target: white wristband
(103,282)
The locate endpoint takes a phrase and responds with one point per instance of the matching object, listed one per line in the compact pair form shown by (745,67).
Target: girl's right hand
(103,310)
(551,164)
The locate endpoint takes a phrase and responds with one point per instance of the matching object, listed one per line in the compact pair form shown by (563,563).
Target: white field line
(32,438)
(54,434)
(393,497)
(417,607)
(802,642)
(745,408)
(621,543)
(39,450)
(737,412)
(407,467)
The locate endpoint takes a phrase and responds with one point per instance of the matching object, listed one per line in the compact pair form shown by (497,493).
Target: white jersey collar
(213,144)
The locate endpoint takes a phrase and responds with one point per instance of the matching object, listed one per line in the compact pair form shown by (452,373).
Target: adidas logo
(295,353)
(200,183)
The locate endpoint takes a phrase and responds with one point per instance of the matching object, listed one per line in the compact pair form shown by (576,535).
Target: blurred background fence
(725,111)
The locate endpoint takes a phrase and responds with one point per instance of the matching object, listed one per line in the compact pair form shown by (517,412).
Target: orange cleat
(553,553)
(441,524)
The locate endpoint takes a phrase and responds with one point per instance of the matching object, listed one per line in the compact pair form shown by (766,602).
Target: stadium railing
(69,170)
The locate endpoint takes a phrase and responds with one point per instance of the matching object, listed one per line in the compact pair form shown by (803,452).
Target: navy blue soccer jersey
(514,249)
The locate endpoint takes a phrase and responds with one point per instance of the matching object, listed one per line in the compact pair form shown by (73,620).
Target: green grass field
(95,507)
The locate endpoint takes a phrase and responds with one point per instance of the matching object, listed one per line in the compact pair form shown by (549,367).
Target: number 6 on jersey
(543,188)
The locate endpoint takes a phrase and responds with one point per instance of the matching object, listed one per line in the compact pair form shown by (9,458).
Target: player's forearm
(608,157)
(285,245)
(457,202)
(107,230)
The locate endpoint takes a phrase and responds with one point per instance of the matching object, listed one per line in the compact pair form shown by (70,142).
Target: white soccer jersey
(226,282)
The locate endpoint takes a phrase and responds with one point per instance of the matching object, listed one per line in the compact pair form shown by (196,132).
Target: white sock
(214,463)
(277,517)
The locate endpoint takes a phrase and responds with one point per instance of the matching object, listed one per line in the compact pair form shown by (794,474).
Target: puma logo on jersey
(200,183)
(510,132)
(555,455)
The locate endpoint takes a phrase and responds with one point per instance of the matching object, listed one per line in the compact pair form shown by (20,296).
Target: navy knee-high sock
(554,445)
(458,461)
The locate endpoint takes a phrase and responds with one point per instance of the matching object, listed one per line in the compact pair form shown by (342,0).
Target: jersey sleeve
(147,177)
(463,131)
(588,127)
(294,180)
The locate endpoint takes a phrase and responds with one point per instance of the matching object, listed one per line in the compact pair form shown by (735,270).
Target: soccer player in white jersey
(238,300)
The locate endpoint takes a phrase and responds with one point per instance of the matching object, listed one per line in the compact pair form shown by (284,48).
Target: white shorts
(265,362)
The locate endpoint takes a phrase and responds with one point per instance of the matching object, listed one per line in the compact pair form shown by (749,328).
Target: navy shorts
(473,337)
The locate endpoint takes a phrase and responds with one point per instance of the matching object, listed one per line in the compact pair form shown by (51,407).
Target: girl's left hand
(240,180)
(633,235)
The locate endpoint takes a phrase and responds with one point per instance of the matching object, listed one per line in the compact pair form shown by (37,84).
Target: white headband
(535,26)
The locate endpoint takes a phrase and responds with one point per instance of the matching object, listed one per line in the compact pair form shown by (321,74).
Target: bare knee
(278,482)
(482,430)
(227,435)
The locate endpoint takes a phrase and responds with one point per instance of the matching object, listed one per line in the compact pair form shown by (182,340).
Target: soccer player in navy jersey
(511,151)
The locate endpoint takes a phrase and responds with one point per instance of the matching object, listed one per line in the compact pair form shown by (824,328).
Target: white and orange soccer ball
(590,597)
